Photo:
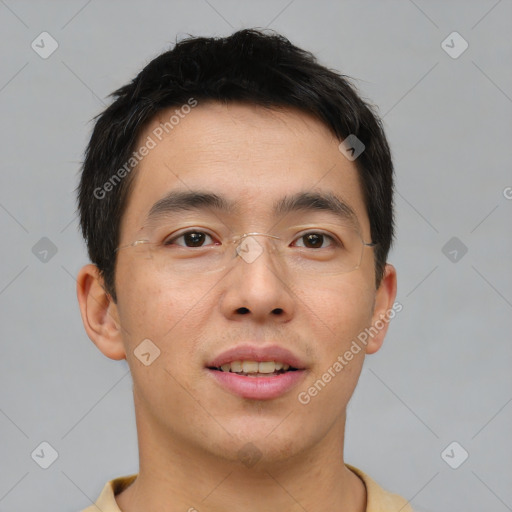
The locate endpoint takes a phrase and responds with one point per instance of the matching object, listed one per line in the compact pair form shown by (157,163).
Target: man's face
(254,158)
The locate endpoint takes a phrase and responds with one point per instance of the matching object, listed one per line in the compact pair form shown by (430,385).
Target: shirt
(377,499)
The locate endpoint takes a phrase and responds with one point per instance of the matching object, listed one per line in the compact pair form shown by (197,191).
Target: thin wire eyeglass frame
(239,238)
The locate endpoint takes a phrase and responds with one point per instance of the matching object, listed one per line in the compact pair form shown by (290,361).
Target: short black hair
(252,66)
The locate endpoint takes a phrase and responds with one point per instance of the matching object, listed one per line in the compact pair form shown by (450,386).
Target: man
(236,199)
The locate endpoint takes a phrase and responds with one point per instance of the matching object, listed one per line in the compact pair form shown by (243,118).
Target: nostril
(244,311)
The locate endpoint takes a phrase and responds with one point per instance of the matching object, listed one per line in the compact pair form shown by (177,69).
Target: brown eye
(194,239)
(189,239)
(314,240)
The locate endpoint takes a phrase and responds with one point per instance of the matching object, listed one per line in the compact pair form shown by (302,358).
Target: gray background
(444,372)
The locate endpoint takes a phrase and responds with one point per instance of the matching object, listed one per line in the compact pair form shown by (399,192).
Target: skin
(190,430)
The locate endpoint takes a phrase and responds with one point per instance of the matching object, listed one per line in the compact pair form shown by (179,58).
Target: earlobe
(383,310)
(99,313)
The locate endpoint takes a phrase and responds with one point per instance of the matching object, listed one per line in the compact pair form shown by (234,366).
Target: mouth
(253,373)
(256,380)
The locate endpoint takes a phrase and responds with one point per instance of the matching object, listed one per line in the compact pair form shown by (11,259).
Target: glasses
(330,250)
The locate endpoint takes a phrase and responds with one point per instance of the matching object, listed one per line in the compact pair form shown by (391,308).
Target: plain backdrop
(444,373)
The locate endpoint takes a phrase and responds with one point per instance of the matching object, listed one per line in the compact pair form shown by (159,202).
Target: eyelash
(168,241)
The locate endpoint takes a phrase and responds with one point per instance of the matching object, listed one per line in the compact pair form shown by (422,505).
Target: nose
(256,286)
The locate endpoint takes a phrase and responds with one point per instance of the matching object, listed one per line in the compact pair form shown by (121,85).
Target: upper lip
(259,354)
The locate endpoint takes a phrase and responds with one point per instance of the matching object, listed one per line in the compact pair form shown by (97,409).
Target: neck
(176,475)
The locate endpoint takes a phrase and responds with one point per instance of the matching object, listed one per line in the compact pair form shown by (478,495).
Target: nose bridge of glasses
(239,238)
(248,248)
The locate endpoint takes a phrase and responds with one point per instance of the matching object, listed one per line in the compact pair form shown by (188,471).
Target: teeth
(265,367)
(250,366)
(254,366)
(236,366)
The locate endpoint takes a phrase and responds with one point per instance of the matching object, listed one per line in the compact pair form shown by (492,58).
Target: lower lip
(258,388)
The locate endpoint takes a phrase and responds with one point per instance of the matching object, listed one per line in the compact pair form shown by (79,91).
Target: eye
(315,240)
(192,238)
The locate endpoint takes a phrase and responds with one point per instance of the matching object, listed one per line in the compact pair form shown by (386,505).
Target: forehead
(250,155)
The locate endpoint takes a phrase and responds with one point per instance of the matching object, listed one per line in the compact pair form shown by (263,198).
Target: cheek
(336,314)
(170,316)
(338,311)
(152,306)
(174,316)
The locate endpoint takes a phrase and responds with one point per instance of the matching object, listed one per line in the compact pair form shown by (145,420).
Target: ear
(99,313)
(383,309)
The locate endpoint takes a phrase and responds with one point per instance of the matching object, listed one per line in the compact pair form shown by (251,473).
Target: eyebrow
(311,201)
(178,201)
